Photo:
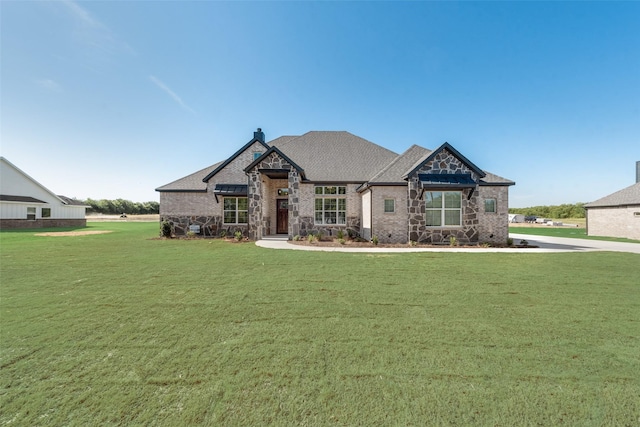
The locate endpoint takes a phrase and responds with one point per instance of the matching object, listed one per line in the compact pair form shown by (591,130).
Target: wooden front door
(282,220)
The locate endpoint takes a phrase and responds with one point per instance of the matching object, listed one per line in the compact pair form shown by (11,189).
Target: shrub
(413,243)
(453,241)
(509,241)
(341,241)
(191,234)
(238,235)
(340,234)
(223,234)
(165,229)
(311,238)
(296,237)
(375,240)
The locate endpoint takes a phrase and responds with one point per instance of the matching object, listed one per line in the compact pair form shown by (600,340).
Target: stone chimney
(259,135)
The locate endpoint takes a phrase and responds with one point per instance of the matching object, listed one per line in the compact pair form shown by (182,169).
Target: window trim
(328,193)
(443,209)
(31,213)
(495,205)
(235,210)
(393,205)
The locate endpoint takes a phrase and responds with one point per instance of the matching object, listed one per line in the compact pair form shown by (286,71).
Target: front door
(282,220)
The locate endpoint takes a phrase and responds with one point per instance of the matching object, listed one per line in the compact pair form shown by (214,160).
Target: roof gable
(190,183)
(271,151)
(445,147)
(230,159)
(394,171)
(14,180)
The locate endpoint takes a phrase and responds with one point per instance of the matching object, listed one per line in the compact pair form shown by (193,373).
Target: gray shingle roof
(336,156)
(191,182)
(493,179)
(393,172)
(625,197)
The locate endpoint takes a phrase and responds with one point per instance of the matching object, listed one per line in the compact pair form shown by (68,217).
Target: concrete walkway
(545,245)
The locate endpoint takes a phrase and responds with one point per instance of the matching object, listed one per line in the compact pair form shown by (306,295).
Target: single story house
(618,214)
(25,203)
(323,182)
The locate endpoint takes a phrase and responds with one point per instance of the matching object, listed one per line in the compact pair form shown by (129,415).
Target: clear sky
(113,99)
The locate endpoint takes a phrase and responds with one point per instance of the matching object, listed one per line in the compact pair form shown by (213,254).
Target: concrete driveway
(545,245)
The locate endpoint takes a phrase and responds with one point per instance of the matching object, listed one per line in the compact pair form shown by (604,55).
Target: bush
(375,240)
(312,238)
(191,234)
(237,235)
(223,234)
(341,241)
(509,241)
(165,229)
(453,241)
(296,238)
(340,234)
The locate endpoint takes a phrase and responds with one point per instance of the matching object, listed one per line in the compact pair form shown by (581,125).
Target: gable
(445,159)
(16,183)
(274,164)
(237,162)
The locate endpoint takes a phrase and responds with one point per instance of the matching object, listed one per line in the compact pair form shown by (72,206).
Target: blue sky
(114,99)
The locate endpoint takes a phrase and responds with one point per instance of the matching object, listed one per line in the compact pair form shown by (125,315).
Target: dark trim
(22,199)
(230,159)
(495,184)
(181,191)
(453,151)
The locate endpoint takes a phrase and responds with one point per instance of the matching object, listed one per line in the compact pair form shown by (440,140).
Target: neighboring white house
(25,203)
(618,214)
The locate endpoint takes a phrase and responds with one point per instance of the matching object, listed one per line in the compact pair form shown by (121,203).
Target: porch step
(276,237)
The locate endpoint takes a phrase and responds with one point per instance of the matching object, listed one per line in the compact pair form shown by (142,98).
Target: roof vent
(259,135)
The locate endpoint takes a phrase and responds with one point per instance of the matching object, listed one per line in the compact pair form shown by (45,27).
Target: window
(490,205)
(46,212)
(31,213)
(235,210)
(256,154)
(331,205)
(443,208)
(389,205)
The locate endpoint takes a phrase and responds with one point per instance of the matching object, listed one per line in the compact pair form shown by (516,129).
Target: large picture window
(331,205)
(443,208)
(235,210)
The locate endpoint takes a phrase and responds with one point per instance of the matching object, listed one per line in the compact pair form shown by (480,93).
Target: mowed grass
(124,329)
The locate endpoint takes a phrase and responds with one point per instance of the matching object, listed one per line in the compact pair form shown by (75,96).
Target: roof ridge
(396,160)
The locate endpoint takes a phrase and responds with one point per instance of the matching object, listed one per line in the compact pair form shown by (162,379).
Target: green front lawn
(125,329)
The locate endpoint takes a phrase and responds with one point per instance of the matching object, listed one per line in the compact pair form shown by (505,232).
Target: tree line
(120,206)
(556,212)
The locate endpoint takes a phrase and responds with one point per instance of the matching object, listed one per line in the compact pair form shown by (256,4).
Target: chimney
(259,135)
(637,171)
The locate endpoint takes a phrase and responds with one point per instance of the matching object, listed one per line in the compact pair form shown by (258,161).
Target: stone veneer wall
(494,227)
(444,162)
(259,221)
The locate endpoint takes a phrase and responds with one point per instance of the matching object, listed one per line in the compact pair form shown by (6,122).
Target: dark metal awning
(446,180)
(230,190)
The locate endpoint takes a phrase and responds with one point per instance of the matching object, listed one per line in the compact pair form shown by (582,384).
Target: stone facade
(443,163)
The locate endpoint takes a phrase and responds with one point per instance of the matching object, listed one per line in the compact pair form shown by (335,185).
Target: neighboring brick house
(330,181)
(25,203)
(618,214)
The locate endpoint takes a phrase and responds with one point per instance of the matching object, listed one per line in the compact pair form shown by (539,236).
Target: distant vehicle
(530,218)
(124,215)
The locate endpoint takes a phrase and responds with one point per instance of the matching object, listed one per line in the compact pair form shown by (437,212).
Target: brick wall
(9,224)
(389,227)
(614,222)
(493,227)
